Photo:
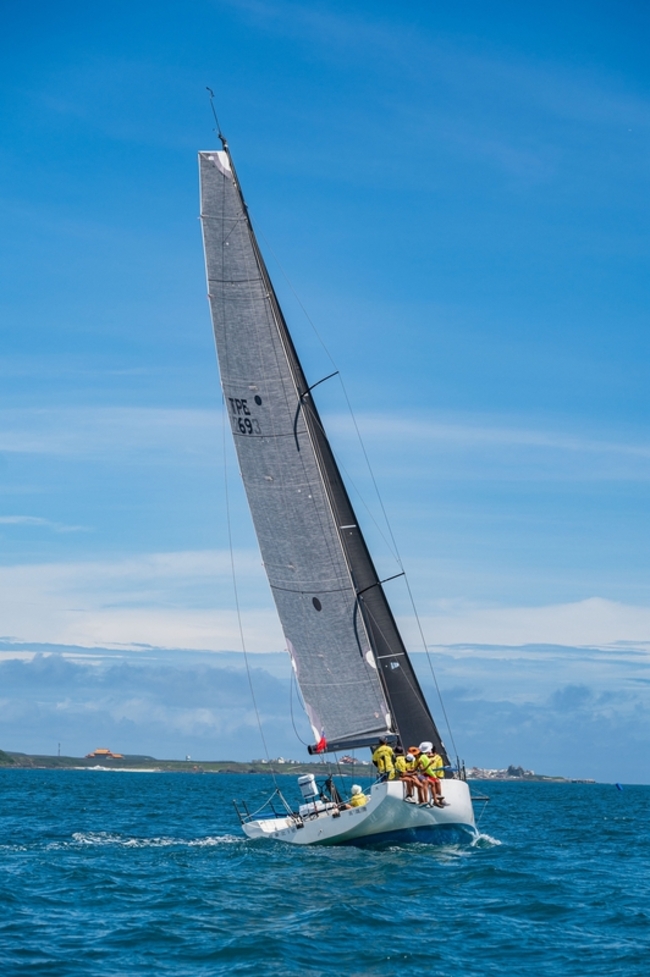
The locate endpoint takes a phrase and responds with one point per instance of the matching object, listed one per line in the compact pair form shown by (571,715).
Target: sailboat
(350,662)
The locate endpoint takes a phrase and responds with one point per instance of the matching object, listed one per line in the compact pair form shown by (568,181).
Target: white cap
(425,747)
(356,789)
(409,757)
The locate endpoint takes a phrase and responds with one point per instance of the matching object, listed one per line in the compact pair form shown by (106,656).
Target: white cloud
(101,434)
(157,704)
(185,599)
(94,432)
(555,709)
(588,622)
(57,527)
(481,447)
(165,599)
(480,431)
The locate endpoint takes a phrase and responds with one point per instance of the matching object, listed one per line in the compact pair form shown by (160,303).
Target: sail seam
(316,590)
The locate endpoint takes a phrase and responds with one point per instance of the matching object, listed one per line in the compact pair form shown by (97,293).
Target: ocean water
(106,873)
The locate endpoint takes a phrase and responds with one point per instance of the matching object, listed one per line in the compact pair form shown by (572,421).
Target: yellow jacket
(358,800)
(383,760)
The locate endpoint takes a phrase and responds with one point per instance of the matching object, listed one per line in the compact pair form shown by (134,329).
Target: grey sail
(350,662)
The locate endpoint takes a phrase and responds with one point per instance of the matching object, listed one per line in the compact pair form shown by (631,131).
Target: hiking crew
(421,769)
(406,767)
(430,764)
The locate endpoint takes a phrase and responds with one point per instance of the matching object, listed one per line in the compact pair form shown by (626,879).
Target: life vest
(425,763)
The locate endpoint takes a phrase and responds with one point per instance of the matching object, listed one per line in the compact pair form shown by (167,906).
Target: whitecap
(483,840)
(101,838)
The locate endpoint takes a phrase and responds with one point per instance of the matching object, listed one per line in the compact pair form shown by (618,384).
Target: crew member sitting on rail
(383,760)
(429,768)
(405,770)
(437,765)
(420,781)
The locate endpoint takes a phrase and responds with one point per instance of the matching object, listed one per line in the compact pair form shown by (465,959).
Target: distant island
(104,759)
(518,773)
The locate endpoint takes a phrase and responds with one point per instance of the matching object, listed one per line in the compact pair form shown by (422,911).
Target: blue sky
(458,197)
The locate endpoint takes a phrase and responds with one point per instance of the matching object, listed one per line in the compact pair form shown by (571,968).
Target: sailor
(405,770)
(383,760)
(399,761)
(419,778)
(437,765)
(358,798)
(430,768)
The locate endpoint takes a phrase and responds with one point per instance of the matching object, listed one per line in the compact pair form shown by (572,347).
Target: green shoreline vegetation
(135,763)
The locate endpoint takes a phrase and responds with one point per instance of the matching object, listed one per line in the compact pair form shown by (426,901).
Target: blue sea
(107,873)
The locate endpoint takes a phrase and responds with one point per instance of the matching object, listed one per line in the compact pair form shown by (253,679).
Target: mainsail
(350,662)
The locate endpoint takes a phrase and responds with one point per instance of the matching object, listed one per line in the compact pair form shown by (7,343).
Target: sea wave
(483,840)
(100,875)
(104,838)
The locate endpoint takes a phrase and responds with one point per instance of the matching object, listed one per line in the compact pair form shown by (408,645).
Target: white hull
(386,818)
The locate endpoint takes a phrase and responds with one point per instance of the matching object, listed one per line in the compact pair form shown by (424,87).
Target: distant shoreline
(149,764)
(146,764)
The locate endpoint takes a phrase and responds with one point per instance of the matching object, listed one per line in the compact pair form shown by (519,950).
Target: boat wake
(483,840)
(448,853)
(105,838)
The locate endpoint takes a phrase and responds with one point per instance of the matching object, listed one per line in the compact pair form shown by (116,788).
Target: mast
(356,646)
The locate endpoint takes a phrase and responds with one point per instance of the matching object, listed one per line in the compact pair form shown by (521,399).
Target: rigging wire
(293,721)
(320,339)
(349,481)
(299,737)
(433,673)
(236,593)
(394,547)
(338,767)
(214,112)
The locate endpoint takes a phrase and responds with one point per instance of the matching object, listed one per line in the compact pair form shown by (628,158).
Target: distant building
(511,773)
(101,753)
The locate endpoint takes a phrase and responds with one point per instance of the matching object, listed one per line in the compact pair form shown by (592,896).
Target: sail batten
(340,632)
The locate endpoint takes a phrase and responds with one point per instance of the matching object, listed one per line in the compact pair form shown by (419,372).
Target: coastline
(10,760)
